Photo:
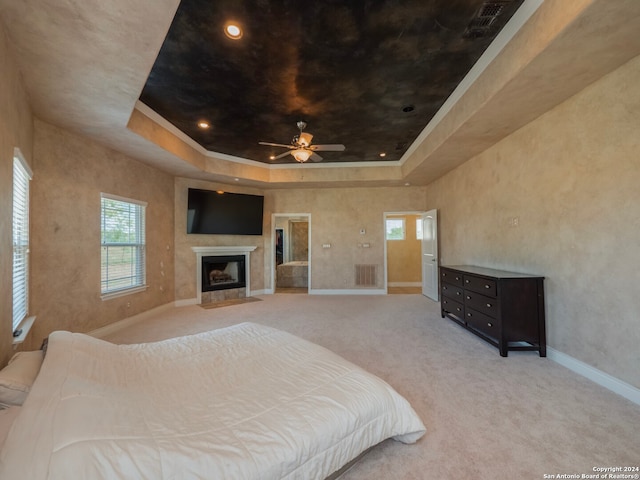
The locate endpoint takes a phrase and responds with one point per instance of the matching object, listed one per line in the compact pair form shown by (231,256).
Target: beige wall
(337,215)
(16,130)
(70,172)
(572,179)
(404,256)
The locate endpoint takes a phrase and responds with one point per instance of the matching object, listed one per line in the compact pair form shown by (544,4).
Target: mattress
(245,402)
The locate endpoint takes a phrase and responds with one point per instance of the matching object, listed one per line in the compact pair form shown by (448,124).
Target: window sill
(122,293)
(25,325)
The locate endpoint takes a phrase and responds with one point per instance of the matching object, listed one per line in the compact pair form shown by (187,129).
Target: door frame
(384,238)
(272,248)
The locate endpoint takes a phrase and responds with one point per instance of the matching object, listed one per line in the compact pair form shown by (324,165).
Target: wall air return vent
(482,25)
(366,275)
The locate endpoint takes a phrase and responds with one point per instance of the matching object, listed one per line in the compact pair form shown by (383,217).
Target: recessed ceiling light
(202,124)
(233,31)
(407,184)
(382,154)
(272,157)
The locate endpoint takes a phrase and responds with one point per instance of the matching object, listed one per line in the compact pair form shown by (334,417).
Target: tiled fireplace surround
(227,294)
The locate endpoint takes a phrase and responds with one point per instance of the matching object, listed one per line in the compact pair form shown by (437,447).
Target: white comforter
(244,402)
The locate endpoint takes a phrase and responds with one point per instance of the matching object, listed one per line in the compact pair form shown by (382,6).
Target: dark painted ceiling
(367,74)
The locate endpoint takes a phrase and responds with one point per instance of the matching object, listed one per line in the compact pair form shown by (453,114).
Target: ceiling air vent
(482,24)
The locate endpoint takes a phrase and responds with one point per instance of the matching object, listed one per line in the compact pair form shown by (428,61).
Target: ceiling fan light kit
(301,149)
(301,155)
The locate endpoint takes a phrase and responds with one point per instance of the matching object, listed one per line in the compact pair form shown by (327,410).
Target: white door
(430,254)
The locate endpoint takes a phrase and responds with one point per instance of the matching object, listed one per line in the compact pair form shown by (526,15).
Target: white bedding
(244,402)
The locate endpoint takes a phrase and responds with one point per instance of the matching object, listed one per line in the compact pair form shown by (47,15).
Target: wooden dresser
(504,308)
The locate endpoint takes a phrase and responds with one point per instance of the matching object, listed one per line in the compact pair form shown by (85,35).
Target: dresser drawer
(449,276)
(480,285)
(453,307)
(452,291)
(482,322)
(482,303)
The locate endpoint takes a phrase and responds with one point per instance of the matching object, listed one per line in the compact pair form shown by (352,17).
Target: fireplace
(223,272)
(222,288)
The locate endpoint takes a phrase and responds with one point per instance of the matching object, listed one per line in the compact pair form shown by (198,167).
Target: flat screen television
(224,213)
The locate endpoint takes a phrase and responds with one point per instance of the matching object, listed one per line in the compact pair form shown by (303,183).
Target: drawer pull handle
(458,309)
(466,281)
(457,278)
(468,297)
(469,315)
(444,288)
(489,305)
(458,293)
(487,286)
(489,325)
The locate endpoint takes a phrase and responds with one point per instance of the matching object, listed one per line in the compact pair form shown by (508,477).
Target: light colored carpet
(228,303)
(487,417)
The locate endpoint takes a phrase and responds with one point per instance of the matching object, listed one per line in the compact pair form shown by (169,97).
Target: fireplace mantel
(222,251)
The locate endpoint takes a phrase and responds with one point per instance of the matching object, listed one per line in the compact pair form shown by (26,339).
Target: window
(395,228)
(21,177)
(123,246)
(419,228)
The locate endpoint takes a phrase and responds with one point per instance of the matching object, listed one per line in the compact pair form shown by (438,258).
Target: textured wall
(404,256)
(16,130)
(337,215)
(70,172)
(299,240)
(571,178)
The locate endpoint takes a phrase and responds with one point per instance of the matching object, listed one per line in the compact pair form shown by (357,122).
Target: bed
(293,274)
(243,402)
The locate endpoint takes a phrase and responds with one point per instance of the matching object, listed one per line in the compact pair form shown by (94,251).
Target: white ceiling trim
(172,129)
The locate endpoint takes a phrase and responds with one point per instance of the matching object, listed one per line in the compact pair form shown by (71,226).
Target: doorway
(404,258)
(291,264)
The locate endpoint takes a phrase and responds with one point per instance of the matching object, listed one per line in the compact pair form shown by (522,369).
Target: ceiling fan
(301,148)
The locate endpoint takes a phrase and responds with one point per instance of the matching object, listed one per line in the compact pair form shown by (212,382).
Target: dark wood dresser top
(489,272)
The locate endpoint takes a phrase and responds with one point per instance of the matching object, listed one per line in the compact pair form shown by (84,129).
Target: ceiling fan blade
(336,147)
(315,157)
(281,155)
(275,145)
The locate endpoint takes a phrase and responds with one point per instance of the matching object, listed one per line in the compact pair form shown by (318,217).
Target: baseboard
(185,303)
(127,322)
(601,378)
(404,284)
(362,291)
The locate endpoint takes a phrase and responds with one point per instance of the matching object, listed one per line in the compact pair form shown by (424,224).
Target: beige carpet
(227,303)
(487,417)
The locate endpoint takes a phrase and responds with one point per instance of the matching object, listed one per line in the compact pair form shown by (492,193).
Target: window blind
(123,244)
(20,228)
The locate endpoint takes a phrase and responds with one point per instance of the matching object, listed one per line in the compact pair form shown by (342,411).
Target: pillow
(18,376)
